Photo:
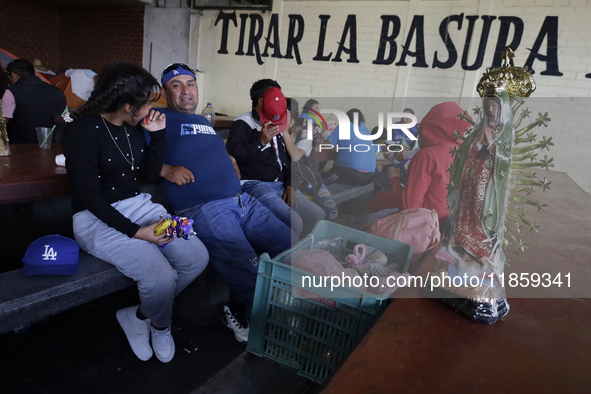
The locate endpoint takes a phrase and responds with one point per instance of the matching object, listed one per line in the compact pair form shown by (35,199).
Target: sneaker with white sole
(240,329)
(163,344)
(137,332)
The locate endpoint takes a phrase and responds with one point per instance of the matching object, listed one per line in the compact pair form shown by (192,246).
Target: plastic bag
(331,245)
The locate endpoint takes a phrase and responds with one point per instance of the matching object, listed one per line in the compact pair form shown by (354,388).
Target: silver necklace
(131,163)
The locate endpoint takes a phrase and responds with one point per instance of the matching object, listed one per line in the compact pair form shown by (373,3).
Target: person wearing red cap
(427,171)
(256,142)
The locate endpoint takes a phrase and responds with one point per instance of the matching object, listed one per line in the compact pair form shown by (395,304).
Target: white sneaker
(137,332)
(240,331)
(163,344)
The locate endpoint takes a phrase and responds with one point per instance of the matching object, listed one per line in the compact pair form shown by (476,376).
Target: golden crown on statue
(519,81)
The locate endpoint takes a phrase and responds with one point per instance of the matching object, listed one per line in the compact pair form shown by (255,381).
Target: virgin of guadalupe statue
(4,148)
(486,179)
(471,258)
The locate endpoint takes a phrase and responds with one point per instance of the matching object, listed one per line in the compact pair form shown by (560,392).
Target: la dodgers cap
(274,108)
(51,255)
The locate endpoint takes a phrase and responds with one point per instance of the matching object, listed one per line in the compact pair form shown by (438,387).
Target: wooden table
(542,346)
(223,121)
(31,173)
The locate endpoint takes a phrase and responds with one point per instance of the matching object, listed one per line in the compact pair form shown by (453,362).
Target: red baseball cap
(274,108)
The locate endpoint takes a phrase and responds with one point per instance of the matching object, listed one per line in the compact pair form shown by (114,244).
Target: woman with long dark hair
(114,221)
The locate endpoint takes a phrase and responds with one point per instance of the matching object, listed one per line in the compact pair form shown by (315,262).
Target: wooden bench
(342,193)
(352,202)
(27,299)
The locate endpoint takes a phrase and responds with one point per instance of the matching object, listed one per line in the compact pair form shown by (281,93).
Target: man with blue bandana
(201,182)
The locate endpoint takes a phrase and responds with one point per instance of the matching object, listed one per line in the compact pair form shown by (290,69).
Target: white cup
(60,160)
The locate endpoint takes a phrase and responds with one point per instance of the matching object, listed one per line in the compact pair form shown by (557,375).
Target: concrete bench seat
(27,299)
(342,193)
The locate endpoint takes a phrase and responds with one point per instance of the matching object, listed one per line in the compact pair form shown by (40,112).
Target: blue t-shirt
(358,157)
(191,142)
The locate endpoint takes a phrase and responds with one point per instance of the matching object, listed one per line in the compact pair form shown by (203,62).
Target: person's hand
(393,172)
(268,132)
(401,156)
(380,164)
(177,174)
(154,121)
(236,167)
(289,197)
(146,233)
(287,131)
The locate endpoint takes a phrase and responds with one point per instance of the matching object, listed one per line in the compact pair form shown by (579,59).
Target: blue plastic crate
(302,334)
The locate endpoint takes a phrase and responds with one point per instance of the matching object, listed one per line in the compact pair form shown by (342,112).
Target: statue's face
(492,109)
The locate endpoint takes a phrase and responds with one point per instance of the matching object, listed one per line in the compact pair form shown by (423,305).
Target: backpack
(418,227)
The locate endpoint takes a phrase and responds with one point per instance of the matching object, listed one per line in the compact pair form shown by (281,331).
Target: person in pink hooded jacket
(427,171)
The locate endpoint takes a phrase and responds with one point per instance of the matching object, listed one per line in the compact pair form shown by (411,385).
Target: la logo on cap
(49,254)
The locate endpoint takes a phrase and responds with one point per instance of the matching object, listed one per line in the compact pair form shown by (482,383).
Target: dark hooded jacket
(37,105)
(427,171)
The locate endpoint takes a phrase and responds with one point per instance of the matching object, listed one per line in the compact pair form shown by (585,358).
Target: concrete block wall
(65,37)
(94,37)
(29,29)
(227,77)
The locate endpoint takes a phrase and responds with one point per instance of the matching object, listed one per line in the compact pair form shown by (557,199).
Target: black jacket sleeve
(153,156)
(82,152)
(243,141)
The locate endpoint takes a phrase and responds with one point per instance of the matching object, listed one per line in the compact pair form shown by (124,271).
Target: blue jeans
(235,230)
(309,211)
(325,201)
(270,194)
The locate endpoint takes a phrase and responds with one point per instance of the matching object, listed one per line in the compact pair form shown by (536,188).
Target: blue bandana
(173,73)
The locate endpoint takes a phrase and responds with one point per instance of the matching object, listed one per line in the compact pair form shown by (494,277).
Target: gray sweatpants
(160,274)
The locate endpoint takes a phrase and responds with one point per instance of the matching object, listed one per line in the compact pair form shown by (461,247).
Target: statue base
(486,310)
(4,148)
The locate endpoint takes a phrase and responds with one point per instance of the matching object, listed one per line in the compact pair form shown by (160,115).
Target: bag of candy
(175,226)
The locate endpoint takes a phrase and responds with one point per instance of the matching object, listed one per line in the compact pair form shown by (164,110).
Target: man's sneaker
(240,329)
(137,332)
(163,344)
